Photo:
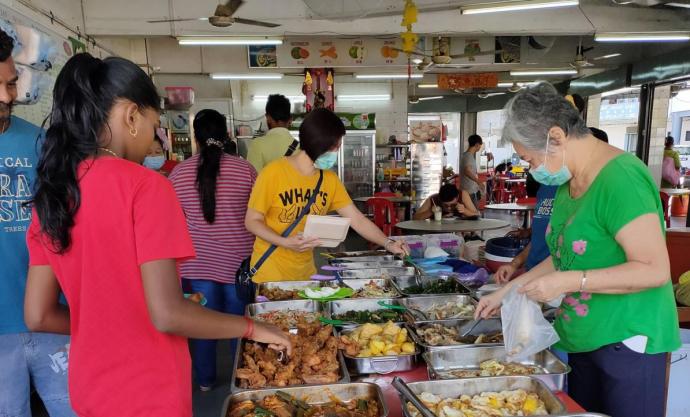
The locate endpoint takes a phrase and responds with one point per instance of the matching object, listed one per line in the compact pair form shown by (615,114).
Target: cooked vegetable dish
(374,290)
(487,404)
(377,316)
(284,405)
(288,319)
(437,287)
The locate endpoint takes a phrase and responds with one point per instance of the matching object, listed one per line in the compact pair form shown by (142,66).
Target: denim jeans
(40,358)
(219,297)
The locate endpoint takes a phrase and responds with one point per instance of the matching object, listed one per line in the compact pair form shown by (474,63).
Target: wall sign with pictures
(262,56)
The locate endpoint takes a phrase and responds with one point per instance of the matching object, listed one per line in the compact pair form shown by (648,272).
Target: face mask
(543,176)
(154,162)
(327,160)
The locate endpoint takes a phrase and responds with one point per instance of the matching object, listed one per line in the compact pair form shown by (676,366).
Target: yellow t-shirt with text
(280,193)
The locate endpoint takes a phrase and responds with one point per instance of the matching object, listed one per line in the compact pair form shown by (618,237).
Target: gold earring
(133,131)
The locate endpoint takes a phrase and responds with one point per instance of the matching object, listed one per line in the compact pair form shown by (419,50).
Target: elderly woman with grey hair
(609,263)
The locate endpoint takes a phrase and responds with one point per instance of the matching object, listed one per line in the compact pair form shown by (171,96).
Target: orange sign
(456,81)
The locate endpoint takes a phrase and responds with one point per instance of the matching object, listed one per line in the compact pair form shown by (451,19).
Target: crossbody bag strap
(304,212)
(291,149)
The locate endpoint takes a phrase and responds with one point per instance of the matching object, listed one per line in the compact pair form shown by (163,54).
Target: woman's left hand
(545,288)
(398,247)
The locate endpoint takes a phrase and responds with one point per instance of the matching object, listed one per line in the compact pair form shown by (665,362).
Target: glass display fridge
(356,166)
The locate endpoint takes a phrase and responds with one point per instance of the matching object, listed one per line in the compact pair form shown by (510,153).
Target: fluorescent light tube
(520,84)
(430,98)
(619,91)
(363,97)
(514,6)
(427,85)
(532,73)
(643,37)
(227,40)
(294,99)
(607,56)
(386,76)
(257,76)
(683,5)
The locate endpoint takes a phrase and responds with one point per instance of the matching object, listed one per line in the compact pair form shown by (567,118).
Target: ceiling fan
(580,60)
(223,17)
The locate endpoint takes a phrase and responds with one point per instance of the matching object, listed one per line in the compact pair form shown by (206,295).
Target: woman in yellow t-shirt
(283,189)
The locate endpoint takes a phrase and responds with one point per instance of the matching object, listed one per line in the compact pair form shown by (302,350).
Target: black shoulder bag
(291,149)
(243,277)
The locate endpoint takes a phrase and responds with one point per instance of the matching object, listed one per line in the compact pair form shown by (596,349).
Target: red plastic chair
(664,204)
(385,216)
(501,193)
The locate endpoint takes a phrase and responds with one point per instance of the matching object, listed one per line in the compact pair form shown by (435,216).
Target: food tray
(288,285)
(357,254)
(239,360)
(401,283)
(441,362)
(373,273)
(454,388)
(357,284)
(354,304)
(317,394)
(309,306)
(423,303)
(396,263)
(486,326)
(379,364)
(375,258)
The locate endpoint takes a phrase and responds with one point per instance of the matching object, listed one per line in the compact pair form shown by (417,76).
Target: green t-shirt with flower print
(581,236)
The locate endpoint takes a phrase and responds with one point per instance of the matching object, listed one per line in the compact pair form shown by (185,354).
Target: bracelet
(250,328)
(583,281)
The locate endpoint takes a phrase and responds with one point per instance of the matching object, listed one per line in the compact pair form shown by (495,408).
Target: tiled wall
(662,96)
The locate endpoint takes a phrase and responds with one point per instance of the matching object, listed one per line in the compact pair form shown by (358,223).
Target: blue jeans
(40,358)
(219,297)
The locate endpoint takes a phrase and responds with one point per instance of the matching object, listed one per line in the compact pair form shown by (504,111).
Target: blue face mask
(327,160)
(154,162)
(543,176)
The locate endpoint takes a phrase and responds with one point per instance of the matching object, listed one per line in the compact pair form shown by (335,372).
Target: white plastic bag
(525,330)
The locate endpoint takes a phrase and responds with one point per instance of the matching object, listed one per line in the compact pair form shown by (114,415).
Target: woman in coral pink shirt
(110,233)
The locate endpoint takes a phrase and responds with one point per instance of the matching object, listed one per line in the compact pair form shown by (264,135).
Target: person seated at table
(448,199)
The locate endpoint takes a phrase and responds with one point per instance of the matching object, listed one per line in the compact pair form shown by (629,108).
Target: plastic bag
(525,330)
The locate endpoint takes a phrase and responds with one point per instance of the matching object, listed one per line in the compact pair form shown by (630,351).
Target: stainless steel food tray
(375,273)
(373,258)
(356,254)
(289,286)
(239,361)
(404,282)
(486,326)
(423,303)
(441,362)
(454,388)
(379,364)
(395,263)
(317,394)
(310,306)
(357,284)
(354,304)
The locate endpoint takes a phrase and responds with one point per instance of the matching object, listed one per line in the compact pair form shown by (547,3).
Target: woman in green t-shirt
(609,262)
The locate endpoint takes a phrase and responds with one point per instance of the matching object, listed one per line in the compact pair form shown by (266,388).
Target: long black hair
(85,91)
(211,133)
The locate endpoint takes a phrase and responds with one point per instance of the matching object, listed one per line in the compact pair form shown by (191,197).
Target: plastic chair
(664,204)
(501,193)
(385,216)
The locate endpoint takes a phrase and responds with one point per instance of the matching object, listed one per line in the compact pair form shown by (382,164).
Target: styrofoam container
(331,230)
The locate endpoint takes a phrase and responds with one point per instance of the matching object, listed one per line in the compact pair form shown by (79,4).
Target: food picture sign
(464,81)
(426,131)
(315,53)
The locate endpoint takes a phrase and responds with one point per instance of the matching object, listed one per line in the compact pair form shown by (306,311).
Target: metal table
(525,208)
(675,192)
(404,201)
(452,226)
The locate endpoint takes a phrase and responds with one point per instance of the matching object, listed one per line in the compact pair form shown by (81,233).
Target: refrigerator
(356,165)
(427,169)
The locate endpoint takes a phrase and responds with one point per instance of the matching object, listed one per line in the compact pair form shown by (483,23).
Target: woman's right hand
(301,243)
(505,273)
(276,338)
(489,305)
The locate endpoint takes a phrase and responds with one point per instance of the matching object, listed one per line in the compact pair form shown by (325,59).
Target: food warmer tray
(289,286)
(332,308)
(374,258)
(441,362)
(395,263)
(401,283)
(358,255)
(316,394)
(375,273)
(486,326)
(357,284)
(422,303)
(309,306)
(454,388)
(379,364)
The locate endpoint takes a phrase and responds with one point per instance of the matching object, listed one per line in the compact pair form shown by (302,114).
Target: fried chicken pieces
(314,360)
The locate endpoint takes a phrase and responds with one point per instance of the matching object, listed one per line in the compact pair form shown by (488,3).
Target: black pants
(617,381)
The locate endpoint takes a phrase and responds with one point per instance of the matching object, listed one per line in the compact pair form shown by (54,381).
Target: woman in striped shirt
(213,188)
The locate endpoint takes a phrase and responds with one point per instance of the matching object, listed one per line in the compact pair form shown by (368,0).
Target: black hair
(320,131)
(448,192)
(599,134)
(278,107)
(669,141)
(474,140)
(532,186)
(230,147)
(579,102)
(211,132)
(84,92)
(6,46)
